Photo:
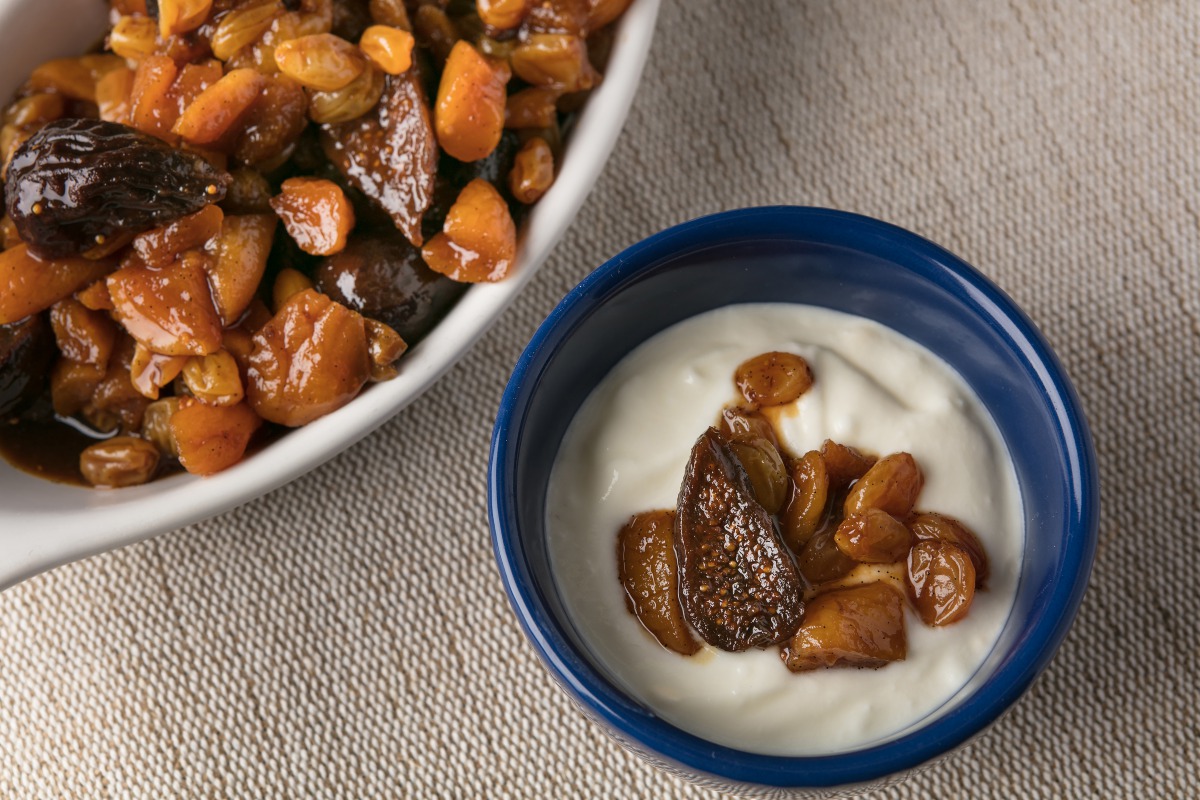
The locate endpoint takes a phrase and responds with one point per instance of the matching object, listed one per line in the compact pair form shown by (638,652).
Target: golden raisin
(873,537)
(928,526)
(323,61)
(533,171)
(133,37)
(181,16)
(891,485)
(389,48)
(555,59)
(941,581)
(242,27)
(119,461)
(806,506)
(773,379)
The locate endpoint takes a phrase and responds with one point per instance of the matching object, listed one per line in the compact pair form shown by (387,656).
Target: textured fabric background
(347,636)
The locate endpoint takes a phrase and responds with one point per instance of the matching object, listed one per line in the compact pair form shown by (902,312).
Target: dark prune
(26,350)
(78,183)
(391,154)
(383,277)
(738,583)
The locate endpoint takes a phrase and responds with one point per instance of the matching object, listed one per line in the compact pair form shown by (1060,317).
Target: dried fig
(738,583)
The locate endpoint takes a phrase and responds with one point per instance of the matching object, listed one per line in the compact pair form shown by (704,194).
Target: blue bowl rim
(603,701)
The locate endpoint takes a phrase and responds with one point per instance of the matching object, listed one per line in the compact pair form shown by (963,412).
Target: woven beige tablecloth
(348,637)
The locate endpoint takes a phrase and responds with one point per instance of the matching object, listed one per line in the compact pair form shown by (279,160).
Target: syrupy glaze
(626,450)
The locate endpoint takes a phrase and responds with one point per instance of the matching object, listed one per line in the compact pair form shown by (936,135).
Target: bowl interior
(850,264)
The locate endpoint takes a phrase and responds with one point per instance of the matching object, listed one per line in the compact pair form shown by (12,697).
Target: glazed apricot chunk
(647,567)
(310,359)
(469,115)
(478,241)
(211,438)
(862,626)
(170,310)
(29,285)
(316,213)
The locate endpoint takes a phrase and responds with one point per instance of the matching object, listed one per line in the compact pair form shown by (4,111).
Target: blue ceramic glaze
(848,263)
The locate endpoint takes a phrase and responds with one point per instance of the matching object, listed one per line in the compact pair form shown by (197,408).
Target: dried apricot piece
(216,111)
(391,155)
(862,626)
(170,310)
(479,239)
(929,526)
(891,484)
(647,566)
(212,438)
(273,123)
(773,379)
(29,285)
(738,584)
(309,360)
(806,507)
(845,464)
(873,537)
(242,252)
(316,213)
(83,335)
(149,371)
(153,108)
(469,116)
(941,581)
(158,247)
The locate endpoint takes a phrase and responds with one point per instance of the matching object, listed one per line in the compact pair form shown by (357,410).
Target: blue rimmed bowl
(848,263)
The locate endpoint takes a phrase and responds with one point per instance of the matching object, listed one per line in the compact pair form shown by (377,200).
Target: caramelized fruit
(862,626)
(941,580)
(647,567)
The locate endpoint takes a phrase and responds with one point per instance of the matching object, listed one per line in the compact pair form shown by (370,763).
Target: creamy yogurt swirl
(875,390)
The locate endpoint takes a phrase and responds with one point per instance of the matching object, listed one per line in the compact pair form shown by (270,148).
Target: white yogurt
(626,450)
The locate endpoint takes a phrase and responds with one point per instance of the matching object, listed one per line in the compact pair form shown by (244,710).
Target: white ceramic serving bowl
(44,524)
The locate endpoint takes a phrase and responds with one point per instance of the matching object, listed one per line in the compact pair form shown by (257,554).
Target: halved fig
(862,626)
(738,583)
(646,563)
(891,485)
(929,526)
(391,154)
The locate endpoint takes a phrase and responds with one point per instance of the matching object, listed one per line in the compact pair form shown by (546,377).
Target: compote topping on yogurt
(816,554)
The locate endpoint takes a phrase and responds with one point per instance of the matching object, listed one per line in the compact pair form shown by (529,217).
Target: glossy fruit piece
(309,360)
(80,182)
(214,379)
(738,422)
(75,78)
(153,106)
(391,154)
(243,27)
(116,403)
(241,259)
(217,111)
(390,12)
(764,466)
(288,283)
(479,239)
(150,372)
(72,386)
(133,37)
(212,438)
(170,311)
(773,379)
(806,506)
(558,16)
(603,12)
(352,101)
(535,107)
(469,116)
(503,15)
(858,627)
(114,95)
(181,16)
(316,213)
(156,426)
(81,334)
(647,568)
(119,461)
(385,347)
(873,537)
(273,123)
(891,485)
(158,247)
(322,61)
(844,464)
(29,285)
(383,277)
(555,60)
(941,581)
(533,173)
(738,584)
(938,527)
(389,48)
(820,560)
(26,353)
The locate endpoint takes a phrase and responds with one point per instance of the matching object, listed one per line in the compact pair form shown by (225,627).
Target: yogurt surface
(875,390)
